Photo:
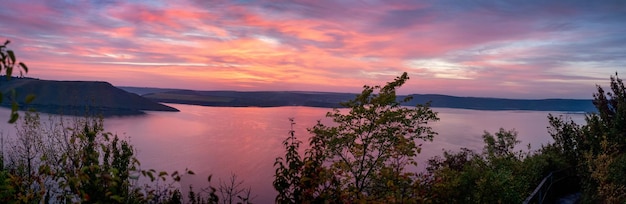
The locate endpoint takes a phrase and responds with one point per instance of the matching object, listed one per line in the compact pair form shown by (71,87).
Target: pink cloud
(474,48)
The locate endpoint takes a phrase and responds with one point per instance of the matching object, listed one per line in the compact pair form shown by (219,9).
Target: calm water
(245,141)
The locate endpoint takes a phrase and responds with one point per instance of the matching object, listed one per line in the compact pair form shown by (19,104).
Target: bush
(496,175)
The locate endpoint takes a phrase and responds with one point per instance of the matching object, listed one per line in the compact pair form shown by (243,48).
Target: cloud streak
(521,49)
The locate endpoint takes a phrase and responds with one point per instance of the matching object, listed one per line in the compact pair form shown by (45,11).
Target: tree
(597,149)
(567,138)
(610,121)
(604,141)
(288,171)
(364,154)
(500,144)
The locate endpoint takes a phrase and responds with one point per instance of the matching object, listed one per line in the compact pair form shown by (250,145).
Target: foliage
(363,156)
(8,64)
(288,171)
(501,144)
(67,161)
(497,175)
(604,144)
(567,138)
(8,61)
(597,148)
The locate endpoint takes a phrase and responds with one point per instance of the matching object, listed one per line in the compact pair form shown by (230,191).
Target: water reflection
(217,140)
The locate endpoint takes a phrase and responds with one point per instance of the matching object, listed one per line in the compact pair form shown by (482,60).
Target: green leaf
(30,98)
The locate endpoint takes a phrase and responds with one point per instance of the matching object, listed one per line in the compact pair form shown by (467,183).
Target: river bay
(245,141)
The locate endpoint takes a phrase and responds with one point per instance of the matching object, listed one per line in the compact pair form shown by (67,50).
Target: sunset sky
(513,49)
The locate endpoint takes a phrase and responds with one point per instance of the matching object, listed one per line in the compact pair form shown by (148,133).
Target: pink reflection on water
(217,141)
(246,141)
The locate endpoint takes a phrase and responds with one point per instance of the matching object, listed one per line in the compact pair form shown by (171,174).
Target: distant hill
(77,97)
(332,100)
(476,103)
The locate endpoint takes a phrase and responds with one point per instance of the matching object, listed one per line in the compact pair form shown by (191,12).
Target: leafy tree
(500,144)
(567,137)
(610,121)
(362,156)
(597,149)
(604,144)
(375,141)
(288,171)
